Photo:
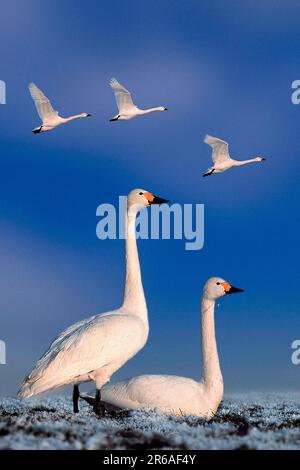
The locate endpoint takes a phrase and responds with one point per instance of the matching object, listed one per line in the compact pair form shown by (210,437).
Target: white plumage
(168,393)
(179,395)
(94,348)
(123,97)
(220,149)
(221,158)
(127,109)
(49,117)
(42,103)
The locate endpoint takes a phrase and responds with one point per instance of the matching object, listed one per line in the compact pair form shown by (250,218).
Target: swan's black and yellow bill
(229,289)
(155,199)
(234,290)
(158,200)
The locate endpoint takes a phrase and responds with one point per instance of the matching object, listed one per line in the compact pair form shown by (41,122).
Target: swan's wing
(152,391)
(56,346)
(123,97)
(220,149)
(42,103)
(83,347)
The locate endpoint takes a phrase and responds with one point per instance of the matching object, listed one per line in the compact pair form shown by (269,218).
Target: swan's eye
(141,194)
(218,283)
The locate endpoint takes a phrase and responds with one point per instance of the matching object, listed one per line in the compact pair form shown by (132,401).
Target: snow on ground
(251,421)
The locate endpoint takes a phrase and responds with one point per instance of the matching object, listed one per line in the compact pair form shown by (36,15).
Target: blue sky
(223,68)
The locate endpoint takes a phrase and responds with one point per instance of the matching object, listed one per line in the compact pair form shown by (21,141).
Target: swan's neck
(71,118)
(150,110)
(134,298)
(244,162)
(211,372)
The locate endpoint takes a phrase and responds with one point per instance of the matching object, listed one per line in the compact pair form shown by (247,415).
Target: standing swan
(180,395)
(128,110)
(49,117)
(96,347)
(221,158)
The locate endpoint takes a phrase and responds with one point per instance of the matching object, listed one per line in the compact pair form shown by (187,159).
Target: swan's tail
(35,385)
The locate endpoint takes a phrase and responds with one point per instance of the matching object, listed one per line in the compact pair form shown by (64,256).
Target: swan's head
(84,115)
(260,159)
(217,287)
(162,108)
(137,199)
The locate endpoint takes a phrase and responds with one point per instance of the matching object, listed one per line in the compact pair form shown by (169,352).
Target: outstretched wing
(42,103)
(123,97)
(220,149)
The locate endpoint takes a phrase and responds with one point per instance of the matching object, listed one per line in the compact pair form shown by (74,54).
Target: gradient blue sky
(223,68)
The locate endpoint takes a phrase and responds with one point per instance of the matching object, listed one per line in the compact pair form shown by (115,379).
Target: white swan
(50,118)
(94,348)
(221,158)
(128,110)
(180,395)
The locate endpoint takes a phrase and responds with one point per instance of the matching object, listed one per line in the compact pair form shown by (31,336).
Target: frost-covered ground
(252,421)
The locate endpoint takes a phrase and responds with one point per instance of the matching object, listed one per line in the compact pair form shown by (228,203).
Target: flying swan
(180,395)
(221,158)
(50,118)
(128,110)
(96,347)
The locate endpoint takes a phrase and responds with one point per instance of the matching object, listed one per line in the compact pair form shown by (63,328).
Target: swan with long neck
(127,109)
(96,347)
(50,118)
(221,158)
(179,395)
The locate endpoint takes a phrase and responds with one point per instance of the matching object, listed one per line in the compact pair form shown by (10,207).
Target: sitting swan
(221,158)
(94,348)
(50,118)
(180,395)
(128,110)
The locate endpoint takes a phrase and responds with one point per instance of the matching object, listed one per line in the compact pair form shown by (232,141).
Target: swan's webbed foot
(37,130)
(209,172)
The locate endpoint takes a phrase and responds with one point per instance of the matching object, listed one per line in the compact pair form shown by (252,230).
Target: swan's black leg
(99,408)
(75,398)
(114,119)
